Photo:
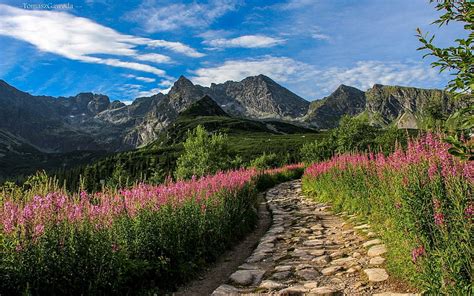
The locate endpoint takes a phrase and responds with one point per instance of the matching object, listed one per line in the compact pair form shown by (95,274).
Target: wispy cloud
(246,41)
(140,78)
(279,68)
(364,74)
(312,82)
(155,58)
(81,39)
(154,16)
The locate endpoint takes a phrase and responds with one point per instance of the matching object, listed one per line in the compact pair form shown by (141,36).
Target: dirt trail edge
(307,251)
(220,271)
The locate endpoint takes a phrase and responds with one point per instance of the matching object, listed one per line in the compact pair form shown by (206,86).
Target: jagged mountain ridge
(345,100)
(90,121)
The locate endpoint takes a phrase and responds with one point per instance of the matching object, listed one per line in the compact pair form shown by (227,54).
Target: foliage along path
(308,250)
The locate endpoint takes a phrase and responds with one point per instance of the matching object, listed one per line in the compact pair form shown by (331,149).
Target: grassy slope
(247,139)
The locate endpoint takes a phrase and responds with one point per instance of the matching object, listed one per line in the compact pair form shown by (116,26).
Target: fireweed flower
(101,209)
(39,230)
(417,252)
(439,219)
(469,211)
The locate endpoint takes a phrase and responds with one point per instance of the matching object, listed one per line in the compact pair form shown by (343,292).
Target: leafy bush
(419,200)
(266,161)
(318,150)
(354,134)
(203,154)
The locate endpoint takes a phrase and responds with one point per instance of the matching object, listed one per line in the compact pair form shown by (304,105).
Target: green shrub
(267,161)
(203,154)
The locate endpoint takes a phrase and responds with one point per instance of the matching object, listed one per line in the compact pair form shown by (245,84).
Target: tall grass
(124,241)
(419,200)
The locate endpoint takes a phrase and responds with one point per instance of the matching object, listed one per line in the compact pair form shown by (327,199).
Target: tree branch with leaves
(459,60)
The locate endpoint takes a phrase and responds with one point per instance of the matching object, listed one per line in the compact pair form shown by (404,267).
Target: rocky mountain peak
(206,106)
(181,83)
(345,100)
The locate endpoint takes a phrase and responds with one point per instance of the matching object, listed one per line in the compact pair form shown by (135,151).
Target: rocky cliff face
(345,100)
(90,121)
(254,97)
(258,97)
(407,107)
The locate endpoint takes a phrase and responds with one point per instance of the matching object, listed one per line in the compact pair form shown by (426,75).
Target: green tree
(119,178)
(203,154)
(319,150)
(354,134)
(459,60)
(266,161)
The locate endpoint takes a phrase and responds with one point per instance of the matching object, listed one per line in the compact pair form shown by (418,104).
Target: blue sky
(138,48)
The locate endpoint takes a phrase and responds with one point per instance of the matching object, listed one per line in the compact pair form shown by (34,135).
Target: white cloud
(79,38)
(278,68)
(155,58)
(140,78)
(153,91)
(246,41)
(176,47)
(367,73)
(296,4)
(311,82)
(145,79)
(155,17)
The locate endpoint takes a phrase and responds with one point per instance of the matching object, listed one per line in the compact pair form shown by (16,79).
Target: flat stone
(247,277)
(376,251)
(377,260)
(271,285)
(376,274)
(325,291)
(283,268)
(371,234)
(363,226)
(248,266)
(311,285)
(224,290)
(308,274)
(336,254)
(321,260)
(313,242)
(372,242)
(295,290)
(356,255)
(303,266)
(331,270)
(343,261)
(281,275)
(317,252)
(256,257)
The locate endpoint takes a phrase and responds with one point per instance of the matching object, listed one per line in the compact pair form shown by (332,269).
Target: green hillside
(247,139)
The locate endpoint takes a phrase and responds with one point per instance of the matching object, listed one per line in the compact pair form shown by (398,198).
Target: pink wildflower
(439,219)
(39,230)
(469,211)
(417,252)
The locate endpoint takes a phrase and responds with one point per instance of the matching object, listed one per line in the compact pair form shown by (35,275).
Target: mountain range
(90,121)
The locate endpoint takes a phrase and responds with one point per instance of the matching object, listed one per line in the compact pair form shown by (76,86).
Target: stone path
(310,251)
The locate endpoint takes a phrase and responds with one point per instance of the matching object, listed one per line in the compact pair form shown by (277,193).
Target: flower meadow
(130,240)
(420,201)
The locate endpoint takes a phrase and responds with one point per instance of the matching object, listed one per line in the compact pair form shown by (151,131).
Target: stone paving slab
(310,251)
